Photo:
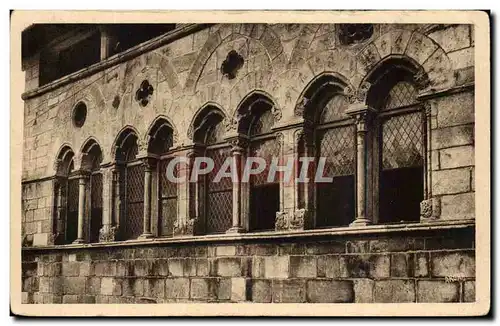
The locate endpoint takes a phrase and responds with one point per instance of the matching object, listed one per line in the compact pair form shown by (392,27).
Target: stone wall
(419,266)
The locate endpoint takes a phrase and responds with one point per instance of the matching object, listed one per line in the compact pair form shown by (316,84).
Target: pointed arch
(64,160)
(92,155)
(125,142)
(161,135)
(318,92)
(209,115)
(254,106)
(386,74)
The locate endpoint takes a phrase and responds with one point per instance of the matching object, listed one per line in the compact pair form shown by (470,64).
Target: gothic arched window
(335,144)
(92,163)
(257,123)
(216,197)
(160,144)
(399,146)
(132,183)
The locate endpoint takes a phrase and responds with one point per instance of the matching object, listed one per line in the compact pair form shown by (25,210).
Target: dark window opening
(264,203)
(401,191)
(72,211)
(167,198)
(134,178)
(79,114)
(126,36)
(54,65)
(335,202)
(96,206)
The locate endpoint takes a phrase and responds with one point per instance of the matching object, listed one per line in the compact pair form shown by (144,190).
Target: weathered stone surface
(455,110)
(456,157)
(261,290)
(289,291)
(177,288)
(363,290)
(454,181)
(453,264)
(303,266)
(375,266)
(203,288)
(394,291)
(330,291)
(228,266)
(421,264)
(460,206)
(452,38)
(329,266)
(469,291)
(437,291)
(74,285)
(239,287)
(402,265)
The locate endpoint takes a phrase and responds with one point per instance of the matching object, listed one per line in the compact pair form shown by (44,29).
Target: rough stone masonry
(192,67)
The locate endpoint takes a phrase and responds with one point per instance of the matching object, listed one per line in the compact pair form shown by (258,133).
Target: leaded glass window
(167,198)
(335,138)
(401,134)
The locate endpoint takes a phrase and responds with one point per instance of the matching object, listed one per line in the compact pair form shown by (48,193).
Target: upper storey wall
(279,60)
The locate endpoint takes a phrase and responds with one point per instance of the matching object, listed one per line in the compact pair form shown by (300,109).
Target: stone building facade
(390,106)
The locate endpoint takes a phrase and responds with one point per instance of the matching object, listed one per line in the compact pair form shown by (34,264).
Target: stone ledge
(131,53)
(228,237)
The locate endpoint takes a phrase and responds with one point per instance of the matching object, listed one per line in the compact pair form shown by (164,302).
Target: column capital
(149,163)
(238,144)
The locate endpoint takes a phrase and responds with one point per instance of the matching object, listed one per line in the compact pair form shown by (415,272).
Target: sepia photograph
(247,163)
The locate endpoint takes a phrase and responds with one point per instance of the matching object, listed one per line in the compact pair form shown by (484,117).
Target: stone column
(238,149)
(361,114)
(82,182)
(146,224)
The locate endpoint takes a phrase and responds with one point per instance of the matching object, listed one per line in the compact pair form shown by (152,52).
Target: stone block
(40,239)
(289,291)
(276,267)
(322,248)
(261,291)
(330,291)
(363,290)
(177,288)
(303,266)
(225,250)
(224,289)
(176,266)
(402,265)
(453,264)
(456,157)
(452,38)
(454,181)
(437,291)
(394,291)
(93,286)
(374,266)
(239,289)
(142,268)
(108,286)
(230,266)
(469,291)
(154,288)
(462,58)
(457,109)
(70,268)
(459,206)
(421,264)
(104,268)
(74,285)
(203,288)
(329,266)
(132,287)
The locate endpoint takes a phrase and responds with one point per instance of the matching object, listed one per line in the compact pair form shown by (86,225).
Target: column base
(236,229)
(145,236)
(361,221)
(78,241)
(108,233)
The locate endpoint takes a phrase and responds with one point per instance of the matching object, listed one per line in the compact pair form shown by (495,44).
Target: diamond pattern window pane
(401,94)
(219,205)
(135,201)
(402,139)
(72,211)
(215,133)
(96,190)
(220,211)
(168,199)
(334,109)
(219,155)
(338,146)
(262,124)
(266,149)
